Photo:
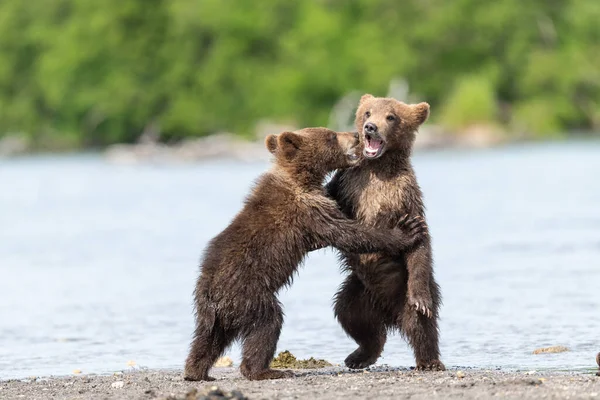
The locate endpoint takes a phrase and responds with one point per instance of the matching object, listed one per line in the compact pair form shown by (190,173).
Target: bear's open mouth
(373,146)
(353,155)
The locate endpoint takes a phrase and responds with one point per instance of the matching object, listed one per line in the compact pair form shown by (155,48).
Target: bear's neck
(393,160)
(306,179)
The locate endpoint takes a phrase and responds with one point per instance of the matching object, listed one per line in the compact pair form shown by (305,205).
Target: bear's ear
(421,112)
(271,143)
(365,97)
(289,143)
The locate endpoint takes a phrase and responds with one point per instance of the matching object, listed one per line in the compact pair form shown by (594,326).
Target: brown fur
(286,215)
(385,292)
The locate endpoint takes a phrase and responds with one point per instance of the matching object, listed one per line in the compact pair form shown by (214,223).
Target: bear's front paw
(433,365)
(421,303)
(414,228)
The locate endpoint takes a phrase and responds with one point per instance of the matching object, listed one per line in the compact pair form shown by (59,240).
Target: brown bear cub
(385,292)
(286,215)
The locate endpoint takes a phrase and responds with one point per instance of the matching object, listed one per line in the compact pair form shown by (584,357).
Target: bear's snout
(370,128)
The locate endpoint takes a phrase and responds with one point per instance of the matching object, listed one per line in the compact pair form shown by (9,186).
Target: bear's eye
(368,114)
(390,118)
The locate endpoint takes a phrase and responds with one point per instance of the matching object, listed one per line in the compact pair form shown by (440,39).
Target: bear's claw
(423,310)
(421,306)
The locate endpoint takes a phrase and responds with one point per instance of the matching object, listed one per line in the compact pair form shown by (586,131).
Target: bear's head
(316,151)
(388,124)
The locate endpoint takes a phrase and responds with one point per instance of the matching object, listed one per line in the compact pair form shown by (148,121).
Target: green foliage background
(83,73)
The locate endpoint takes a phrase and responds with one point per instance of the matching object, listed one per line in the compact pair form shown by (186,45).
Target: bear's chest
(373,199)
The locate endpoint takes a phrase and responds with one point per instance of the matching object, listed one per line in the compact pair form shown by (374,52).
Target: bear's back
(266,240)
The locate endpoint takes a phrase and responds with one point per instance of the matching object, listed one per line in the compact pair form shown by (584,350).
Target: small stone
(224,362)
(460,374)
(535,382)
(531,372)
(237,395)
(191,394)
(215,391)
(146,379)
(117,385)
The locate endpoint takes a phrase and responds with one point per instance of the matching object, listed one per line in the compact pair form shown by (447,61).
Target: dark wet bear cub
(386,292)
(285,216)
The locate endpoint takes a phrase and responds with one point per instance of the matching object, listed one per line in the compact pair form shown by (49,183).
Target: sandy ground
(326,383)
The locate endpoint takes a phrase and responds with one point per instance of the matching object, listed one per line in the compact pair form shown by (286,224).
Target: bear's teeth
(373,146)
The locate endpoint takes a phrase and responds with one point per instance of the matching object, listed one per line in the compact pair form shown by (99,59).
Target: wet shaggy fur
(383,292)
(286,215)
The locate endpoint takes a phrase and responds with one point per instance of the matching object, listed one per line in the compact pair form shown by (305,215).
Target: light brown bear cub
(285,216)
(385,292)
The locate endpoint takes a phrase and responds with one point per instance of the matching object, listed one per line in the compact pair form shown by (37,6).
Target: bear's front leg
(420,270)
(419,318)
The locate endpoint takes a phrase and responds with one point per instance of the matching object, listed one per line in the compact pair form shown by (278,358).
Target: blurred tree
(78,73)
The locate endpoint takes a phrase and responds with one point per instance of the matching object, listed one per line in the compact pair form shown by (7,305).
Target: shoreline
(321,384)
(231,147)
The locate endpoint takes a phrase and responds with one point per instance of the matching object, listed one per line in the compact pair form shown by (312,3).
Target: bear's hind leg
(260,343)
(208,345)
(362,322)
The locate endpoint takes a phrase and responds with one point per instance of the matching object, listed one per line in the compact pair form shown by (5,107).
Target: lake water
(98,261)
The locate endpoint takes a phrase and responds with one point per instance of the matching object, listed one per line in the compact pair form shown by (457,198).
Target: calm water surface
(98,261)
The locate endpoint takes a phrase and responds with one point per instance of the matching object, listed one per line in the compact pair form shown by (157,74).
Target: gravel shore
(325,383)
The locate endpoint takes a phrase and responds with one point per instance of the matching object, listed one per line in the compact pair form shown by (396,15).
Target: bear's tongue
(372,145)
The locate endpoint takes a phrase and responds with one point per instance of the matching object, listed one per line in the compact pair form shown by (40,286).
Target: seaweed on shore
(285,359)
